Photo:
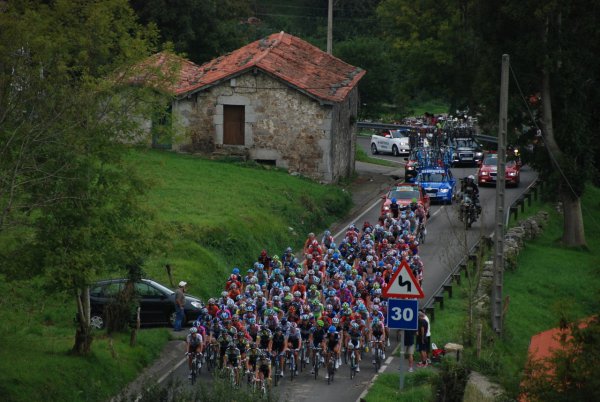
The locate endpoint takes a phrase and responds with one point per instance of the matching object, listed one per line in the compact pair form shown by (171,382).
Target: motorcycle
(468,212)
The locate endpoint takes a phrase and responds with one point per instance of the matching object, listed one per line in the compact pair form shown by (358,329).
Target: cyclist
(193,344)
(316,337)
(279,344)
(252,357)
(294,340)
(354,337)
(332,343)
(263,367)
(232,359)
(377,334)
(223,339)
(264,339)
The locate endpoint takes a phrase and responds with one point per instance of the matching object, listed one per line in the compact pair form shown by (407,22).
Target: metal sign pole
(402,360)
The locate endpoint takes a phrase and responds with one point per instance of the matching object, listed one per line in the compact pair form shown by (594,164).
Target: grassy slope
(214,215)
(220,215)
(550,282)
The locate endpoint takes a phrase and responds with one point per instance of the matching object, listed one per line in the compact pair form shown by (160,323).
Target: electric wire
(552,156)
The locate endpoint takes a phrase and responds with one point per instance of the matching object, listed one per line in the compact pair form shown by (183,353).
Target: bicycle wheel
(316,365)
(302,358)
(292,367)
(377,360)
(352,366)
(276,371)
(193,378)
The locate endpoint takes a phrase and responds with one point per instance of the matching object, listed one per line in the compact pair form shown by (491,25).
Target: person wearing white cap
(179,305)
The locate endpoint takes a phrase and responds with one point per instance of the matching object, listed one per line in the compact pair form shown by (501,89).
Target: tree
(435,46)
(569,374)
(64,115)
(202,29)
(544,41)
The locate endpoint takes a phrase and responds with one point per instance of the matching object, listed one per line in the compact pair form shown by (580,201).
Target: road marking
(388,360)
(358,218)
(168,373)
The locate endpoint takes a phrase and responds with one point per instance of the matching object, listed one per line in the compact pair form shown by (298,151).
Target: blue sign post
(403,314)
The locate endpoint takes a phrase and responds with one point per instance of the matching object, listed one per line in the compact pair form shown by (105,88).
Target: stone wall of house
(282,125)
(343,138)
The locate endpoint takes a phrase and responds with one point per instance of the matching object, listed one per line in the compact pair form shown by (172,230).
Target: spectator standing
(179,305)
(423,340)
(409,348)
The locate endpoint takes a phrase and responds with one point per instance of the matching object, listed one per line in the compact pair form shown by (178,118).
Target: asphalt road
(446,243)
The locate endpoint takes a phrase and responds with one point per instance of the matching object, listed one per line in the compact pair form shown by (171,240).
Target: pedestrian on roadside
(179,306)
(423,339)
(409,348)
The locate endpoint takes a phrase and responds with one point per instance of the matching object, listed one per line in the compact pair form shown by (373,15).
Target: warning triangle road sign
(403,284)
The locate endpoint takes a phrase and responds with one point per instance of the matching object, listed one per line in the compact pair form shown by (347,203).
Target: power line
(552,156)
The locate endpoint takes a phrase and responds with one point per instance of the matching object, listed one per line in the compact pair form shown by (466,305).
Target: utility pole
(330,27)
(500,188)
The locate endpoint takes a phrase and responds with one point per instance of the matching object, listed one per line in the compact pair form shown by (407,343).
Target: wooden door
(233,124)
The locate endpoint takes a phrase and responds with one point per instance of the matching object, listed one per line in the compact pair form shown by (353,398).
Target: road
(445,244)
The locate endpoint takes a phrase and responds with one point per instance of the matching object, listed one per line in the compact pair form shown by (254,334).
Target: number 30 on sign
(403,314)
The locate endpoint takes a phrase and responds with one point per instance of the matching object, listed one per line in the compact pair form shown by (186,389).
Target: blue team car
(438,183)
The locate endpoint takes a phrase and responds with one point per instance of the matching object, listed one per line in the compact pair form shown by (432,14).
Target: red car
(404,193)
(487,172)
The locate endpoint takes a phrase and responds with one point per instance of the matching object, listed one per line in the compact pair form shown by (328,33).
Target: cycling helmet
(223,294)
(224,315)
(233,331)
(335,320)
(297,293)
(331,330)
(394,200)
(471,177)
(355,325)
(375,320)
(320,323)
(279,329)
(193,330)
(304,317)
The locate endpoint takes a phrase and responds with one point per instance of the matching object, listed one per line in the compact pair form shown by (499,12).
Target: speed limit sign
(403,314)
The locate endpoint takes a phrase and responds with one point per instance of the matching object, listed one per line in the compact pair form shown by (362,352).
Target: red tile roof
(281,55)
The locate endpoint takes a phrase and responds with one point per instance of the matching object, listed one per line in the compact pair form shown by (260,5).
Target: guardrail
(455,273)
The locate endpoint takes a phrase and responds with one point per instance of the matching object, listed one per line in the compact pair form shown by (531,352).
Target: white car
(395,142)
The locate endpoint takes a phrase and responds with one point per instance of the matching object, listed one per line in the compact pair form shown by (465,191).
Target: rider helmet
(331,330)
(193,330)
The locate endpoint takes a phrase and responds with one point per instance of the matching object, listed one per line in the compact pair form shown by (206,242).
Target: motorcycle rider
(469,187)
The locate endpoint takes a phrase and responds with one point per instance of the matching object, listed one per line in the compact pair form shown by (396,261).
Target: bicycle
(211,357)
(291,359)
(276,367)
(352,361)
(317,361)
(377,354)
(232,373)
(196,365)
(421,233)
(259,387)
(303,355)
(331,358)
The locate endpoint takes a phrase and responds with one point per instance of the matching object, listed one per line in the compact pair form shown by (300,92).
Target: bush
(452,380)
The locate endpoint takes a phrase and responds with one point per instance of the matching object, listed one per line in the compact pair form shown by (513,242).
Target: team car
(438,183)
(487,173)
(396,142)
(405,193)
(465,151)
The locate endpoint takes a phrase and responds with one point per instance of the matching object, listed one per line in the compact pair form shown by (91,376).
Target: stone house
(279,101)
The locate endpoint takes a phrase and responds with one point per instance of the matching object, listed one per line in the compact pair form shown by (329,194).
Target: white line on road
(168,373)
(388,360)
(358,218)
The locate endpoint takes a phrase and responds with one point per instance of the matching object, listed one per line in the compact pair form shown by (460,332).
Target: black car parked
(157,302)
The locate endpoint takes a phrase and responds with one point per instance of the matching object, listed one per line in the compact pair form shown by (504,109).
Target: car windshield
(398,134)
(432,177)
(404,194)
(162,288)
(491,160)
(464,143)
